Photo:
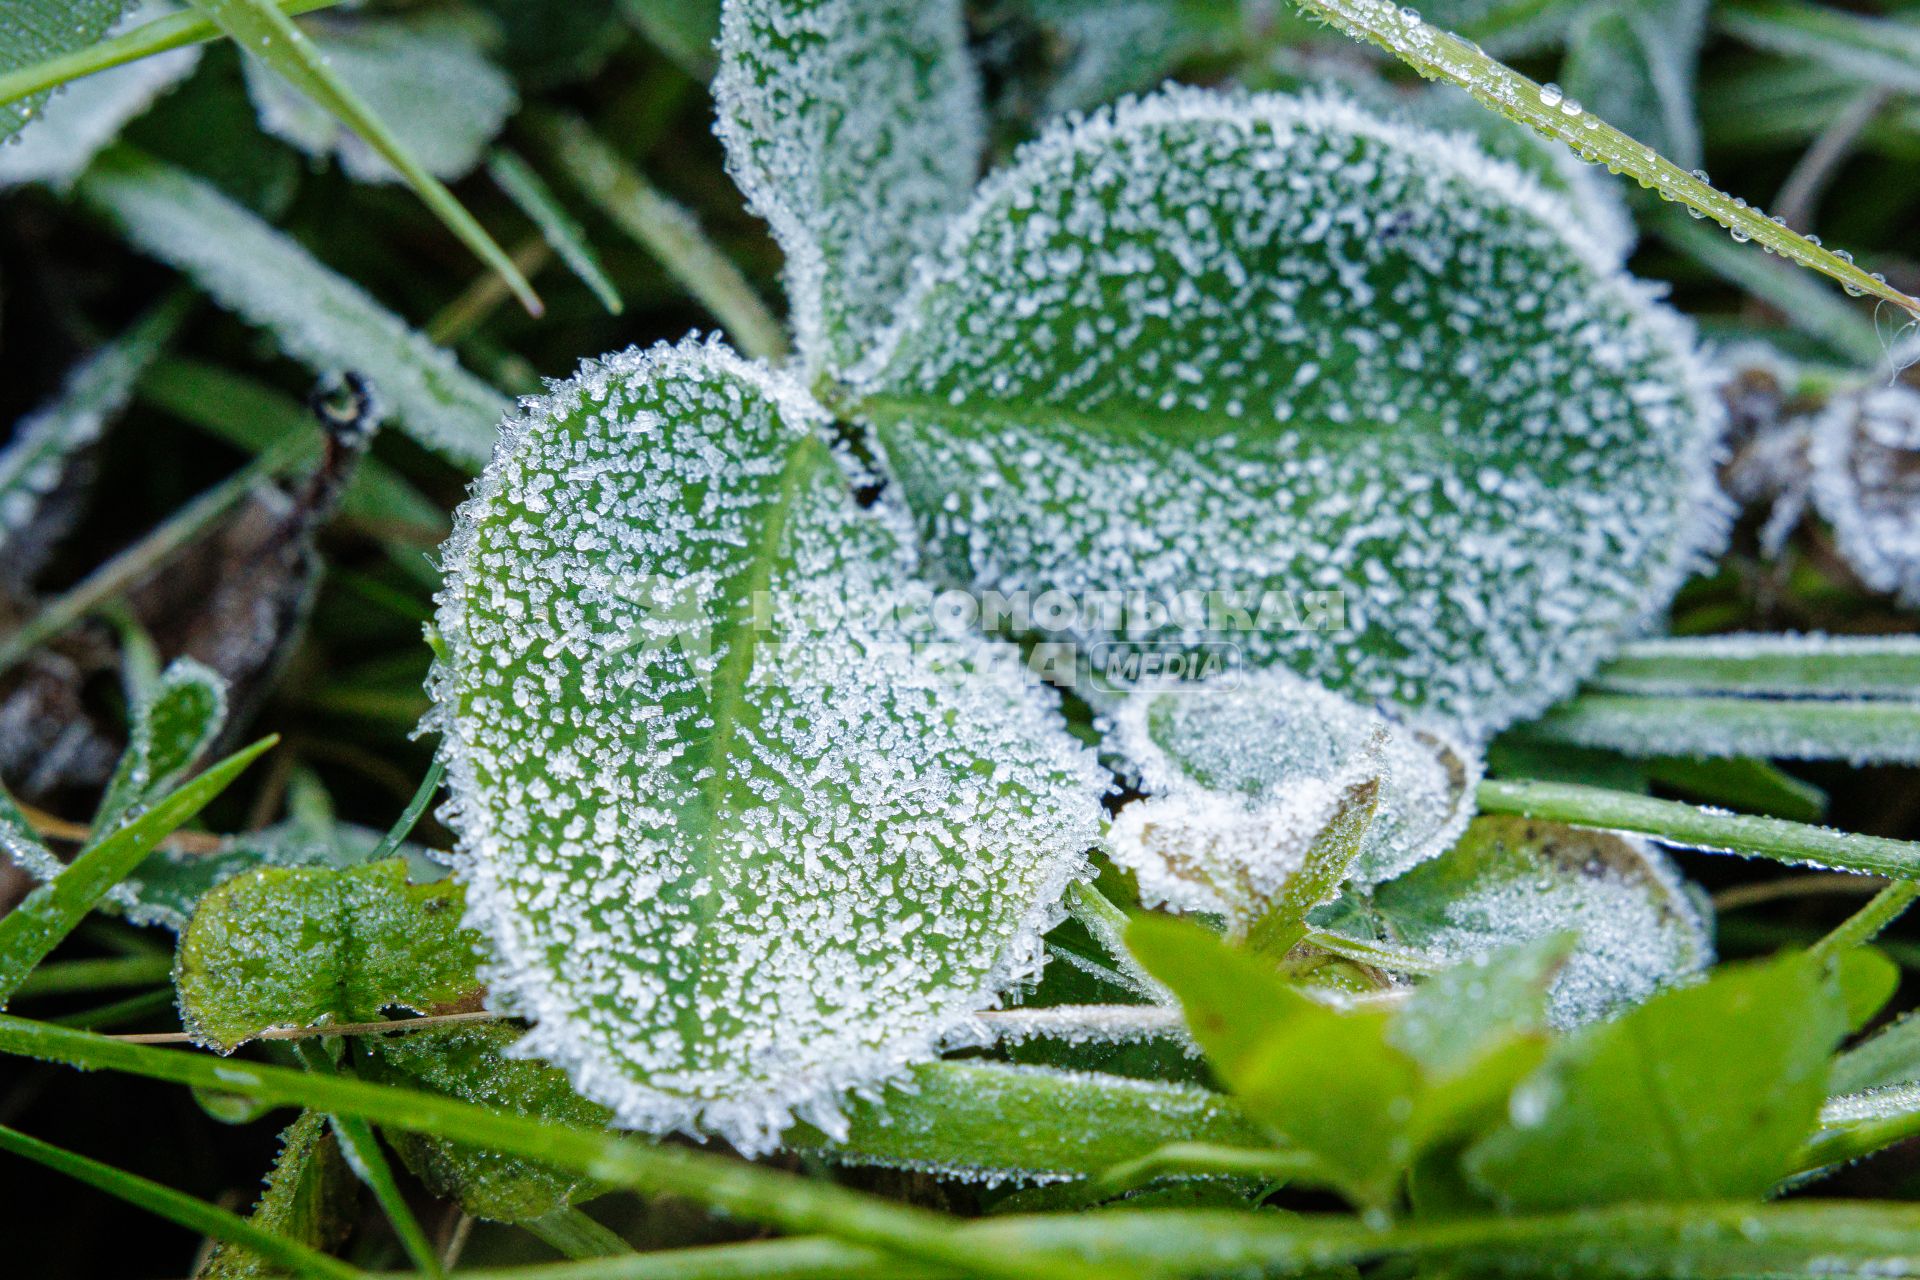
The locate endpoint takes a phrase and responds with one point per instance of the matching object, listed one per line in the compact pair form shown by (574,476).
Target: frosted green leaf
(316,315)
(854,127)
(1345,395)
(88,114)
(1270,744)
(35,462)
(33,31)
(165,889)
(1864,454)
(295,946)
(740,837)
(311,1196)
(1510,880)
(426,77)
(1633,63)
(1592,193)
(467,1063)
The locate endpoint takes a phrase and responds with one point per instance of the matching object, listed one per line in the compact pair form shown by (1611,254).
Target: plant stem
(1191,1158)
(1797,843)
(746,1191)
(1865,924)
(175,31)
(1439,54)
(175,1206)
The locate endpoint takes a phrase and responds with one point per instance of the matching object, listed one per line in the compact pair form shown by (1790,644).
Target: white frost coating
(317,315)
(854,128)
(90,112)
(1511,881)
(1275,346)
(1864,455)
(425,78)
(738,845)
(1270,744)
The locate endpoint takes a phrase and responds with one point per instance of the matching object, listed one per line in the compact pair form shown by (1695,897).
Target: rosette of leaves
(742,832)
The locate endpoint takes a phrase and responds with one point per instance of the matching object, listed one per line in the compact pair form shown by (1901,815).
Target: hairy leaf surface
(1376,401)
(738,838)
(854,128)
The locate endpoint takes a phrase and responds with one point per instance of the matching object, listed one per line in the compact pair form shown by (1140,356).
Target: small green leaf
(1511,880)
(468,1063)
(739,836)
(170,725)
(295,946)
(424,76)
(36,30)
(1327,1081)
(311,1198)
(316,315)
(854,127)
(264,32)
(1704,1093)
(1171,355)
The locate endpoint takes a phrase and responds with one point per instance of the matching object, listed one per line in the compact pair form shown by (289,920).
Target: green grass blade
(315,314)
(73,977)
(175,1206)
(1440,55)
(1863,731)
(750,1192)
(50,912)
(666,230)
(267,33)
(1796,843)
(369,1162)
(1872,50)
(524,187)
(1785,666)
(174,31)
(573,1234)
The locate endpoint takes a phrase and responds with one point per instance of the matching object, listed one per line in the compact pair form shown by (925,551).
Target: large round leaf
(1358,380)
(737,839)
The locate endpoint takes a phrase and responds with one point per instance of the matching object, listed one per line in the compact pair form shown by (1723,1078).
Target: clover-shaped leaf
(738,841)
(1343,393)
(855,129)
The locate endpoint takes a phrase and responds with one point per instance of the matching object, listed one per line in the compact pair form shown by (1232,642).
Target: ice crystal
(1864,455)
(89,113)
(426,79)
(854,127)
(740,838)
(1511,880)
(1379,396)
(1266,756)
